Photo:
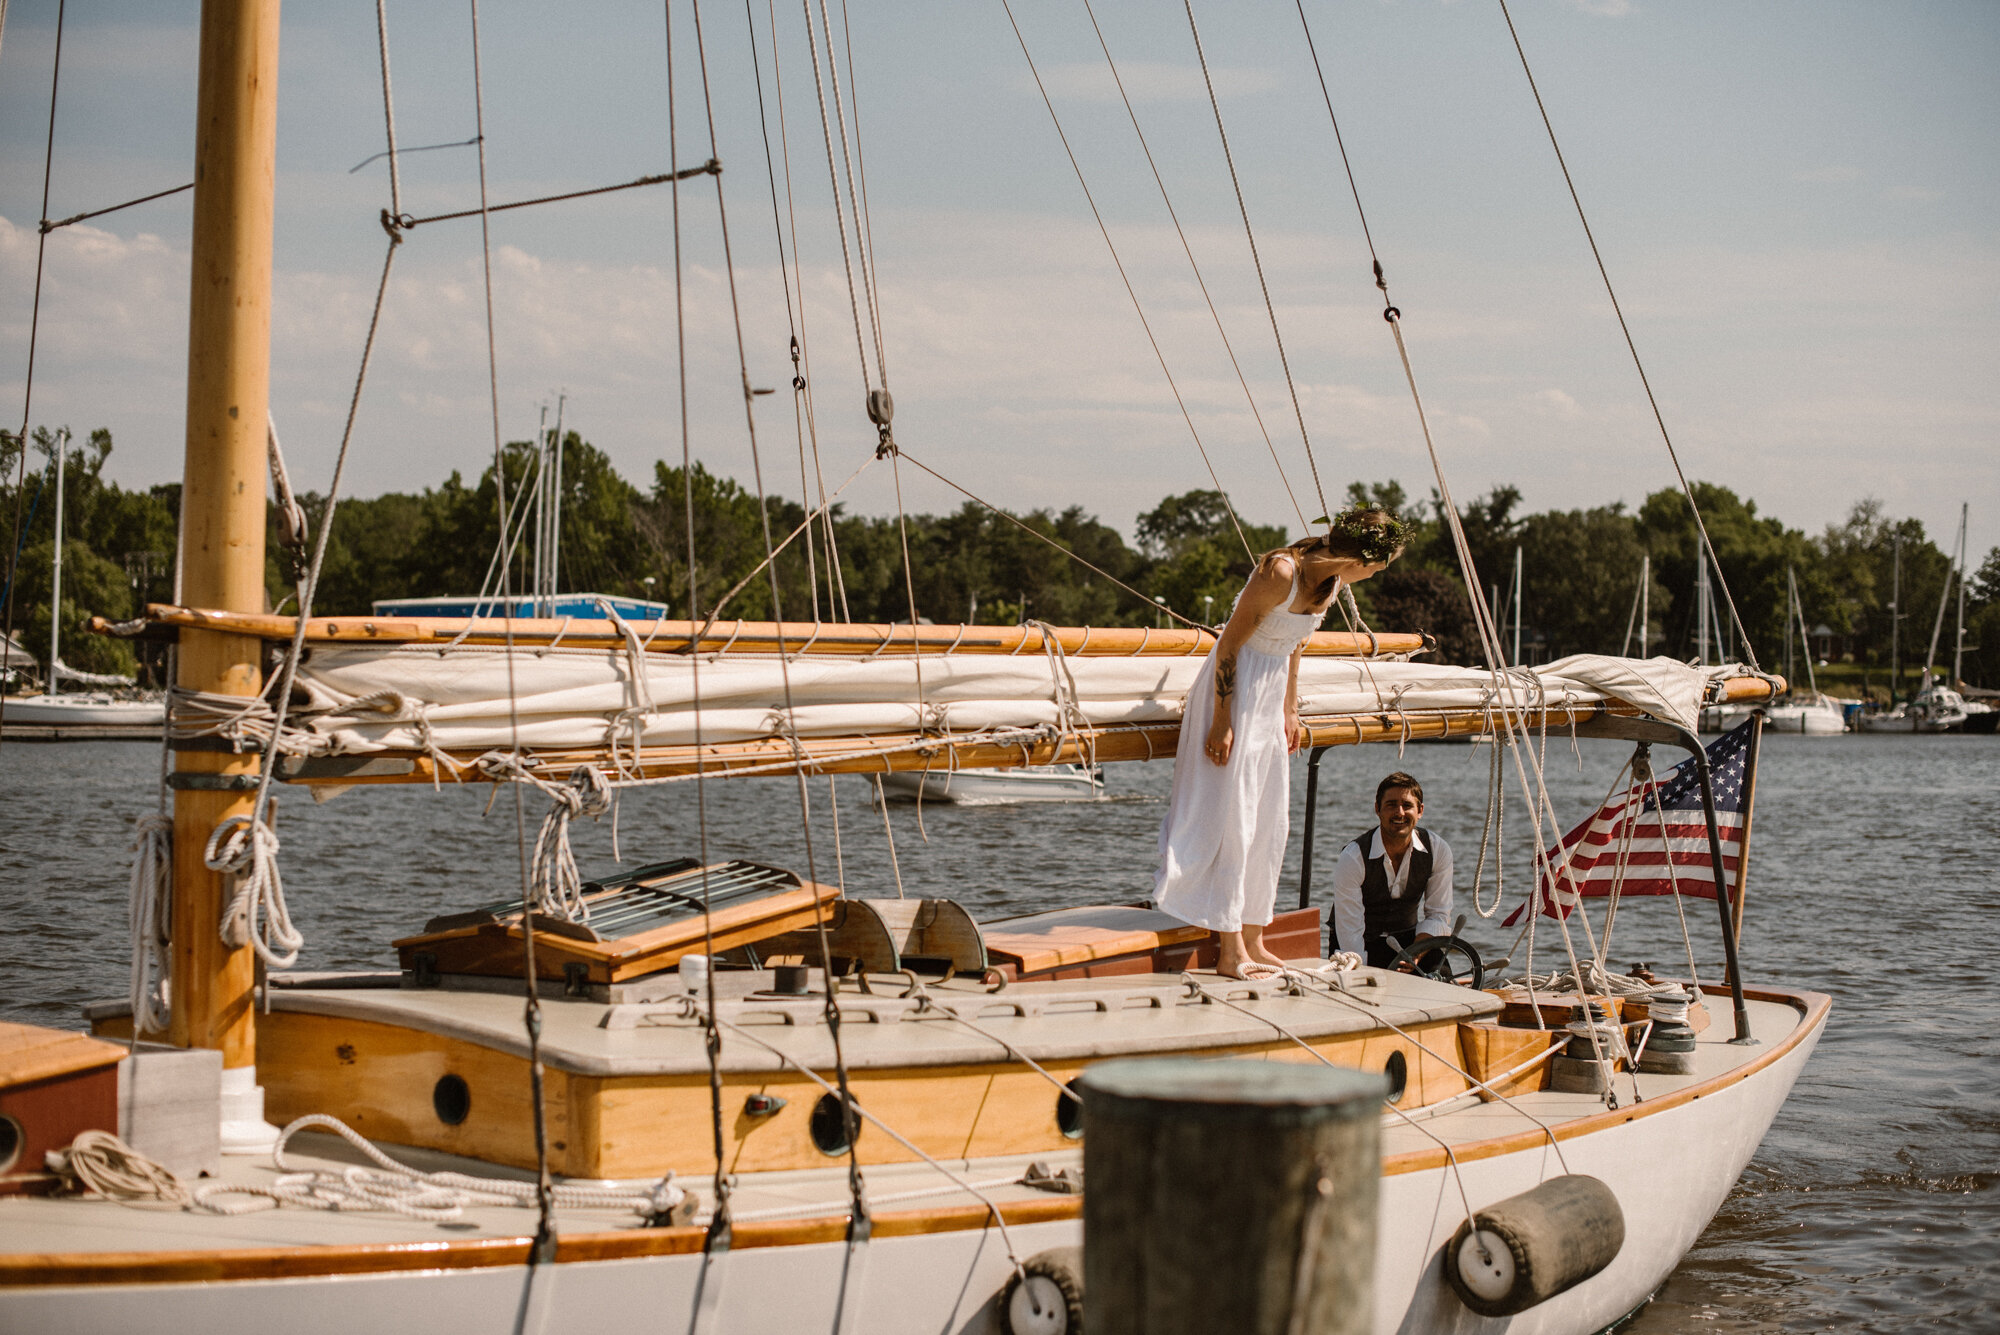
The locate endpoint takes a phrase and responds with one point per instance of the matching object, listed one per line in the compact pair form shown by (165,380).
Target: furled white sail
(368,698)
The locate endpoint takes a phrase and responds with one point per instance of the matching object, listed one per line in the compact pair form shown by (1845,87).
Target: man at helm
(1392,887)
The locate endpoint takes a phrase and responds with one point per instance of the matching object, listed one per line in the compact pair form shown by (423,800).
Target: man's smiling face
(1399,811)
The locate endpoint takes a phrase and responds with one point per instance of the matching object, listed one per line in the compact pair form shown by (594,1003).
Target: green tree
(1198,563)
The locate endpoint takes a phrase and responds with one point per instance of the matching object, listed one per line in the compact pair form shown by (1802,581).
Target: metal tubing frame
(1312,813)
(1628,729)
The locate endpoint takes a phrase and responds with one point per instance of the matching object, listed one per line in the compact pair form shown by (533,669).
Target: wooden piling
(1234,1195)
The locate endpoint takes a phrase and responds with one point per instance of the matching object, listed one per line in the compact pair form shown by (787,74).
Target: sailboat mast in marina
(727,1095)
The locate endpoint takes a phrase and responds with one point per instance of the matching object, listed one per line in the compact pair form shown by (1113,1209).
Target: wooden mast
(222,496)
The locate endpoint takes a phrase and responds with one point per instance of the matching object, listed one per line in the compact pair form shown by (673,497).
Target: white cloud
(1020,369)
(1554,403)
(1609,9)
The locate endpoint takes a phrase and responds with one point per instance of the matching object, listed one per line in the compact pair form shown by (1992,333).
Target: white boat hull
(1816,718)
(972,787)
(85,711)
(926,1282)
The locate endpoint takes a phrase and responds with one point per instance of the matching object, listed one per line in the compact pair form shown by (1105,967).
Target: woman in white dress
(1229,816)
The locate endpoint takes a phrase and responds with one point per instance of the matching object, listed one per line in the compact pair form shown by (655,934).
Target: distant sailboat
(56,708)
(1936,707)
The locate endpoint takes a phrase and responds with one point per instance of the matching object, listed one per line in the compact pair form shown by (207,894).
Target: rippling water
(1869,1208)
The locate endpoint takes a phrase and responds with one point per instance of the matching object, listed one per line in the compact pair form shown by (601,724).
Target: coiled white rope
(98,1161)
(151,916)
(247,849)
(400,1189)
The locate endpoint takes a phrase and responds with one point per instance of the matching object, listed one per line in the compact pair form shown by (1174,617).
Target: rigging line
(308,590)
(1125,278)
(1156,606)
(833,174)
(389,117)
(1263,285)
(393,154)
(802,395)
(741,584)
(720,1226)
(785,277)
(859,1225)
(1188,250)
(1366,234)
(514,524)
(1625,329)
(713,167)
(853,202)
(34,330)
(544,1250)
(47,226)
(866,227)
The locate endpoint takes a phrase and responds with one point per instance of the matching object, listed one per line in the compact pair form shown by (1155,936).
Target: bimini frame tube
(1313,758)
(1626,729)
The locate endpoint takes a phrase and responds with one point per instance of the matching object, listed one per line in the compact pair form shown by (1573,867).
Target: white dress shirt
(1434,915)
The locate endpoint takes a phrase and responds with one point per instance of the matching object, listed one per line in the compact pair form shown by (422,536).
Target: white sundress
(1222,844)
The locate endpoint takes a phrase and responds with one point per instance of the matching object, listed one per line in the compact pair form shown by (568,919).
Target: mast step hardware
(185,781)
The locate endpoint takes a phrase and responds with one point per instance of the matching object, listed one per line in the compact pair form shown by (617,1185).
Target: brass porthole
(11,1140)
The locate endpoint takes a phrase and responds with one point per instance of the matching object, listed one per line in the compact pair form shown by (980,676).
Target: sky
(1798,203)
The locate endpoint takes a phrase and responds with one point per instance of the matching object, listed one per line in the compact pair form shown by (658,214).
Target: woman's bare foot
(1237,960)
(1256,951)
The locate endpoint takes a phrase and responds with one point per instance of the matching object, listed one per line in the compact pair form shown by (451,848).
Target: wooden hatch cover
(635,924)
(1111,939)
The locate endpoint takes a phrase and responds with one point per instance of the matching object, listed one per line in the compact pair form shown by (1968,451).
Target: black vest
(1386,913)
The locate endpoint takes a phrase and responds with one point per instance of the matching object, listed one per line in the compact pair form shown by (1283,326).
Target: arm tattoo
(1225,678)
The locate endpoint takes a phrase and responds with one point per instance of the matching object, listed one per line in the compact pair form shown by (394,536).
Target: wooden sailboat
(883,1084)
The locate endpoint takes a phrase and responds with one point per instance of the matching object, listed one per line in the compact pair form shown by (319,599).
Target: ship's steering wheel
(1433,957)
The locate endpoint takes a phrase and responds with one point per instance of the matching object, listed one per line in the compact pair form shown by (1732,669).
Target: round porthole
(1069,1111)
(833,1133)
(452,1099)
(1398,1071)
(10,1142)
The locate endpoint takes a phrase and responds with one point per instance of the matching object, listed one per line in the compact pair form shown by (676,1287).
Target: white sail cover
(382,697)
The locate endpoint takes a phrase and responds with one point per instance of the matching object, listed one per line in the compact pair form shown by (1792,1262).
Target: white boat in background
(1936,708)
(77,709)
(994,787)
(56,708)
(1815,715)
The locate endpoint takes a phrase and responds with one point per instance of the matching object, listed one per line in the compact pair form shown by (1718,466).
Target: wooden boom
(759,637)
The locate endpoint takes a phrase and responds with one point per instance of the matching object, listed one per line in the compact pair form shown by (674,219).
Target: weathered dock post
(1235,1195)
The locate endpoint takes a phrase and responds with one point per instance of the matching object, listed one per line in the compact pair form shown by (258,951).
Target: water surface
(1870,1206)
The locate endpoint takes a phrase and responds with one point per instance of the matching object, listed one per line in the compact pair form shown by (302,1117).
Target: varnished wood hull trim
(261,1263)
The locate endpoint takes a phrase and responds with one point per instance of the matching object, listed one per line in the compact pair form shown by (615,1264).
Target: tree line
(1579,588)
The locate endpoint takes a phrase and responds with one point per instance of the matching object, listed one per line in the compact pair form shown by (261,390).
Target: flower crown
(1375,535)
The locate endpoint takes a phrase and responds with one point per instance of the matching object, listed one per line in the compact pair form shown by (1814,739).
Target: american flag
(1627,836)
